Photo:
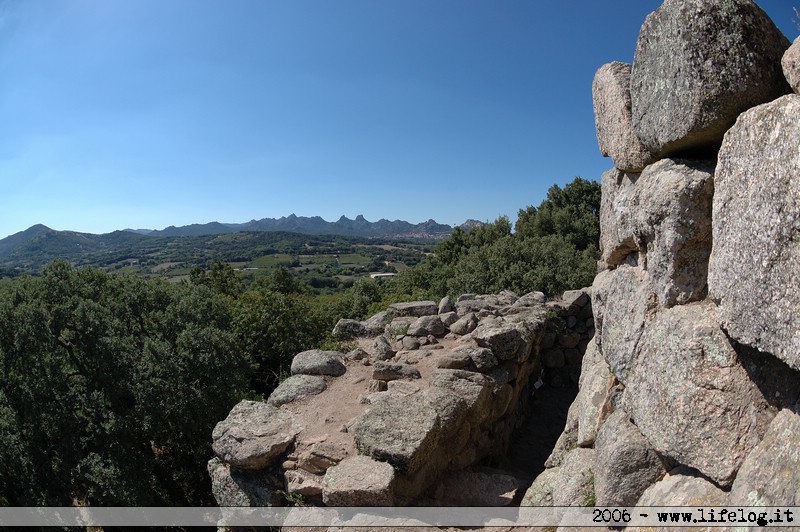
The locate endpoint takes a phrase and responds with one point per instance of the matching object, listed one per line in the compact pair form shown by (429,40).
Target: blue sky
(149,113)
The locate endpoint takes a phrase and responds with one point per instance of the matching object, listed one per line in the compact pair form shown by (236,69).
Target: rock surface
(624,464)
(253,435)
(359,481)
(770,476)
(478,488)
(681,489)
(594,384)
(791,65)
(232,487)
(402,431)
(755,264)
(691,398)
(698,65)
(611,93)
(574,483)
(296,387)
(318,362)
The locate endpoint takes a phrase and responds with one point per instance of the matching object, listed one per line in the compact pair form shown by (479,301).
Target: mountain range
(32,248)
(315,225)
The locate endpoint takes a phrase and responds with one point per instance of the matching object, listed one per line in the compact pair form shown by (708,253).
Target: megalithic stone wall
(431,391)
(695,365)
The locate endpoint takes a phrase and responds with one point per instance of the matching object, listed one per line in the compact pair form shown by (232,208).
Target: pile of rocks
(690,391)
(430,393)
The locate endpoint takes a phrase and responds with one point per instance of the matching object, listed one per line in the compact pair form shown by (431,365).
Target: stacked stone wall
(690,390)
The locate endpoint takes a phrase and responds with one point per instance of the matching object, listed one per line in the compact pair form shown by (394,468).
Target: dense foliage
(110,385)
(553,248)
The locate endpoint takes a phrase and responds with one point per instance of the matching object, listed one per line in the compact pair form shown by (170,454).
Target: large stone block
(770,476)
(540,493)
(611,93)
(673,223)
(754,270)
(318,362)
(574,482)
(625,464)
(622,302)
(594,384)
(476,389)
(683,489)
(253,435)
(414,308)
(296,387)
(359,481)
(618,205)
(403,431)
(664,215)
(698,65)
(690,396)
(232,487)
(791,65)
(508,341)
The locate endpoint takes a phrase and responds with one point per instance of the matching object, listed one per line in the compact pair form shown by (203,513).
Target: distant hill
(315,225)
(38,245)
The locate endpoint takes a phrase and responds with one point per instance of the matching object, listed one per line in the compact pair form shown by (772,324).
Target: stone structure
(686,348)
(694,367)
(411,415)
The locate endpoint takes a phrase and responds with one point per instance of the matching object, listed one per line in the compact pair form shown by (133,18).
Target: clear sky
(149,113)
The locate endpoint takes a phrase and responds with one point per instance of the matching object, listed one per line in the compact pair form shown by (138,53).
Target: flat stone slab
(401,430)
(253,435)
(415,308)
(318,362)
(296,387)
(359,481)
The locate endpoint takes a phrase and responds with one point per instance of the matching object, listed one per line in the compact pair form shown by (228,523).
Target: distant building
(382,275)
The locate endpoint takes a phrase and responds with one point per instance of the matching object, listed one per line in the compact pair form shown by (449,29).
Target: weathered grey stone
(320,456)
(387,371)
(482,357)
(770,475)
(403,431)
(624,463)
(382,348)
(665,216)
(568,439)
(253,435)
(410,343)
(691,398)
(296,387)
(698,65)
(531,299)
(619,203)
(427,325)
(754,269)
(578,298)
(465,325)
(478,488)
(446,305)
(399,326)
(541,491)
(318,362)
(232,487)
(508,341)
(376,324)
(611,93)
(415,308)
(674,223)
(453,360)
(594,384)
(621,301)
(574,483)
(791,65)
(346,328)
(376,386)
(359,481)
(681,489)
(474,388)
(448,318)
(303,483)
(451,408)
